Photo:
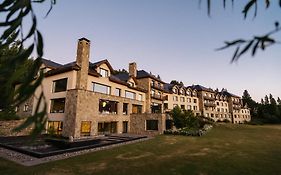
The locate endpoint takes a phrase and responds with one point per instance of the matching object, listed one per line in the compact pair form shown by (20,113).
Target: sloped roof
(201,88)
(50,64)
(105,61)
(144,74)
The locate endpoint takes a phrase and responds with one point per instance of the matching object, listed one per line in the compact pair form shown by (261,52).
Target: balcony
(236,103)
(209,104)
(155,86)
(236,107)
(159,97)
(209,98)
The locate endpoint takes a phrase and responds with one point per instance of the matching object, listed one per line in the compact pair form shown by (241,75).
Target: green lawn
(226,149)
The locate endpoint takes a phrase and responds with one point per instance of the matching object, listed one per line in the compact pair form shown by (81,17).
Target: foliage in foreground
(186,119)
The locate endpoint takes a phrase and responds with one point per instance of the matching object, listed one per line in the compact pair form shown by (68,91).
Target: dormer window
(131,84)
(103,72)
(174,90)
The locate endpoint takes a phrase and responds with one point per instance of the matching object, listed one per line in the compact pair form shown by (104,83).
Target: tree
(278,101)
(266,100)
(16,11)
(247,100)
(262,101)
(257,42)
(7,94)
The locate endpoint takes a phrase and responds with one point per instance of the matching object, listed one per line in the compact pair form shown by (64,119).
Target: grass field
(226,149)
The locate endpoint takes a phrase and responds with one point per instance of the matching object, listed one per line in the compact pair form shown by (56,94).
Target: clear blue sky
(173,38)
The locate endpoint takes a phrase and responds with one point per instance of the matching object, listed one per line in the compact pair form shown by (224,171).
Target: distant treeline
(268,110)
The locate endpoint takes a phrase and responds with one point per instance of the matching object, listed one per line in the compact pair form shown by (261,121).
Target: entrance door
(125,126)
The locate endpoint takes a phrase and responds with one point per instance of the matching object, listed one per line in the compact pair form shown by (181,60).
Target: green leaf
(255,48)
(267,3)
(235,54)
(246,48)
(40,44)
(11,29)
(247,7)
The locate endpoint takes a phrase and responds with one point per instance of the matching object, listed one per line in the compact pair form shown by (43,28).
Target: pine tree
(278,101)
(266,101)
(262,101)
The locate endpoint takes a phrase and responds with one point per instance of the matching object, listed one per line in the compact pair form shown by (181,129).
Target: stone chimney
(82,60)
(133,69)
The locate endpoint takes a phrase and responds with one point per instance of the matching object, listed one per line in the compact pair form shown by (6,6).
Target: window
(125,108)
(222,110)
(152,125)
(140,97)
(107,107)
(57,105)
(156,108)
(136,109)
(218,103)
(165,106)
(130,95)
(225,110)
(212,115)
(189,100)
(60,85)
(218,109)
(103,72)
(101,88)
(175,98)
(55,127)
(188,107)
(194,101)
(131,84)
(182,99)
(182,107)
(25,108)
(195,108)
(207,115)
(85,128)
(118,92)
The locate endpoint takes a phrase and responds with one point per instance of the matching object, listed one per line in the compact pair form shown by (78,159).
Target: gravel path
(27,160)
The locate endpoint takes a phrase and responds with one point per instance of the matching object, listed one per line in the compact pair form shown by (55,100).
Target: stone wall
(138,123)
(83,105)
(6,128)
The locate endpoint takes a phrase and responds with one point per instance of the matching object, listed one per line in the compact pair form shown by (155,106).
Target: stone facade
(6,128)
(138,123)
(83,105)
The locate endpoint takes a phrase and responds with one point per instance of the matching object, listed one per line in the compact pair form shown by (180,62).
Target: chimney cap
(81,39)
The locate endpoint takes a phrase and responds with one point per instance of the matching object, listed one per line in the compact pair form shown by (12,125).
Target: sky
(172,38)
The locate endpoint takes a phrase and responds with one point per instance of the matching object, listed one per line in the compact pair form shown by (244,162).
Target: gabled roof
(50,64)
(96,64)
(228,94)
(144,74)
(201,88)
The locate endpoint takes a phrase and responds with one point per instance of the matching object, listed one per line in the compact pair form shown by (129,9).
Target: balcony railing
(209,104)
(159,97)
(236,102)
(155,86)
(236,107)
(209,98)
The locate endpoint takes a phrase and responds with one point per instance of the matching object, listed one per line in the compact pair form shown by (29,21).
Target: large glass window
(101,88)
(85,128)
(60,85)
(103,72)
(107,107)
(55,127)
(57,105)
(152,125)
(130,95)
